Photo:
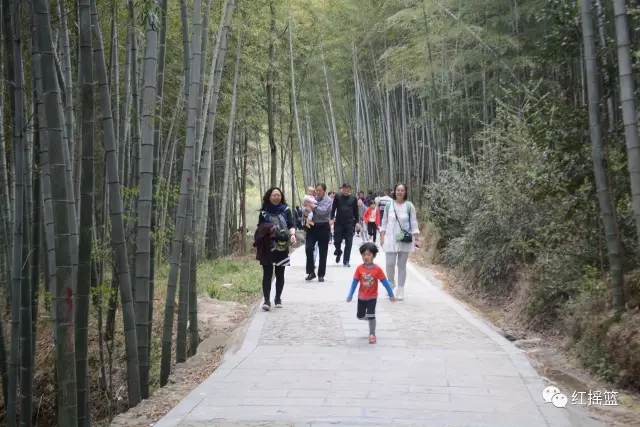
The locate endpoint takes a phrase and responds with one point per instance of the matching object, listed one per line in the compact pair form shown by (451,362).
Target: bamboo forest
(137,139)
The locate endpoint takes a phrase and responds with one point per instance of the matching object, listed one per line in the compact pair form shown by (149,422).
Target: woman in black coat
(276,232)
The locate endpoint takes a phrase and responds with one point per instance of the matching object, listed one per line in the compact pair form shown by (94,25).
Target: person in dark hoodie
(275,233)
(346,216)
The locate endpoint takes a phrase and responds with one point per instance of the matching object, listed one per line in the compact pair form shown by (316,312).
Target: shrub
(527,204)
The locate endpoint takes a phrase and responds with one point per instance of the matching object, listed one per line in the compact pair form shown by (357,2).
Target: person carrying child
(310,201)
(368,275)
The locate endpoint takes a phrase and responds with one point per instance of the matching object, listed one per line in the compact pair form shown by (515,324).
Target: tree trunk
(81,313)
(602,186)
(145,205)
(270,82)
(52,122)
(227,195)
(628,101)
(115,206)
(181,217)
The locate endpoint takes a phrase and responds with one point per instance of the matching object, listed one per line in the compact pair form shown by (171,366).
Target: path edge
(533,380)
(232,357)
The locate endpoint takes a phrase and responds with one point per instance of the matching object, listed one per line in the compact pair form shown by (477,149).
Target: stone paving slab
(310,364)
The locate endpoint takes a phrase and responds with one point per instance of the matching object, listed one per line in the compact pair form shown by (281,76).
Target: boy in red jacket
(368,275)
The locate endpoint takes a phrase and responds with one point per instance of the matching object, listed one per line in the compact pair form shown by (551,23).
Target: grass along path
(228,288)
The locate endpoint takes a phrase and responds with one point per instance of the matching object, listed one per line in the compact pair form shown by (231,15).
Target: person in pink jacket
(371,217)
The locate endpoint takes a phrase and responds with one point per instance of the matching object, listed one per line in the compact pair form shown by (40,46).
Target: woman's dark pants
(267,276)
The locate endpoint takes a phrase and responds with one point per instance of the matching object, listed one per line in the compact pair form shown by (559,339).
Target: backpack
(281,233)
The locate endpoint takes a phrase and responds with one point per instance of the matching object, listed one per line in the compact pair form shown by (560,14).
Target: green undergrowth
(244,275)
(242,272)
(521,226)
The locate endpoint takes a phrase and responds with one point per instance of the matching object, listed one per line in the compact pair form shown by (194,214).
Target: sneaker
(320,279)
(372,339)
(400,294)
(347,265)
(266,306)
(338,258)
(278,303)
(310,277)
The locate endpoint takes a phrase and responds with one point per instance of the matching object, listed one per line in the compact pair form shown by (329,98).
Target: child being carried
(310,201)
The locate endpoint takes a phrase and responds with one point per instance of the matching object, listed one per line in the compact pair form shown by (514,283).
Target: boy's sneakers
(372,339)
(266,306)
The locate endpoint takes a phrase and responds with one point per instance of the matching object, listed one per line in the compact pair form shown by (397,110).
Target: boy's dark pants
(366,308)
(372,229)
(367,311)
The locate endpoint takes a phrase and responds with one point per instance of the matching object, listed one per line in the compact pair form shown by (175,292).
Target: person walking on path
(345,215)
(275,232)
(368,275)
(362,229)
(371,218)
(363,198)
(399,231)
(383,201)
(319,234)
(332,196)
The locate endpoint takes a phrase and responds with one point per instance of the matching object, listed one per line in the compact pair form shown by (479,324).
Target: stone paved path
(310,364)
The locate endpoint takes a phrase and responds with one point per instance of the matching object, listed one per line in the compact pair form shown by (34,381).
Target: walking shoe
(320,279)
(338,258)
(266,306)
(372,339)
(400,294)
(310,277)
(347,264)
(278,303)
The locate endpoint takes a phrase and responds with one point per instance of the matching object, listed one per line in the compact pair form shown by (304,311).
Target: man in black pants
(345,216)
(319,233)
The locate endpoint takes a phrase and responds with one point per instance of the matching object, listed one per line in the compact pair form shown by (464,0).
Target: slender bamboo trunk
(81,313)
(59,161)
(226,194)
(116,212)
(602,186)
(270,104)
(182,221)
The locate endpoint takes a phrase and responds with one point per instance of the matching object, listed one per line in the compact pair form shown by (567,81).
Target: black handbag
(404,236)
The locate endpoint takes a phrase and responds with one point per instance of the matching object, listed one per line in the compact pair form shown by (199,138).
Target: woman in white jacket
(399,231)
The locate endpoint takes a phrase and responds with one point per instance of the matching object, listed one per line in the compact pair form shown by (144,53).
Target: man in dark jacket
(345,215)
